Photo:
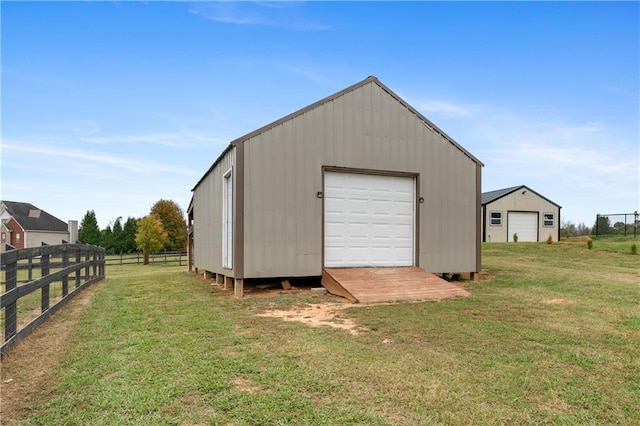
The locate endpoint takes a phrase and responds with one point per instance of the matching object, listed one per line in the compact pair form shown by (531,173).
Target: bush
(589,244)
(549,239)
(515,238)
(634,249)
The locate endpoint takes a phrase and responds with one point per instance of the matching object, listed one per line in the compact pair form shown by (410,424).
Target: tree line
(602,226)
(570,229)
(164,227)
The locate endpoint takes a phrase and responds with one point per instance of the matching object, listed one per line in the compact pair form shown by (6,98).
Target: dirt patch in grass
(322,314)
(249,386)
(328,314)
(558,302)
(486,275)
(31,364)
(582,239)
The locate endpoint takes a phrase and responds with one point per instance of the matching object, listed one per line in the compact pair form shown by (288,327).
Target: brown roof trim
(190,207)
(427,122)
(370,79)
(222,154)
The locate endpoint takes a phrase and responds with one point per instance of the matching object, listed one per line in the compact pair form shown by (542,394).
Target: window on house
(548,219)
(17,238)
(4,237)
(496,219)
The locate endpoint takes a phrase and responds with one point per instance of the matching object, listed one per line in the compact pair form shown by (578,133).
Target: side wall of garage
(208,215)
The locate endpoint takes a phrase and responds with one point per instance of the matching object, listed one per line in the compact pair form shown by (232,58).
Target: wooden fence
(164,257)
(50,270)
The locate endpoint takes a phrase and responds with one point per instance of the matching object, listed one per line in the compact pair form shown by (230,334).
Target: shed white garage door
(368,220)
(525,224)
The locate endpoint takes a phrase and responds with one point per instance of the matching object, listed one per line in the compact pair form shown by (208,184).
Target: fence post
(138,257)
(65,279)
(165,256)
(78,270)
(30,266)
(180,258)
(11,311)
(94,264)
(121,259)
(87,258)
(597,223)
(103,264)
(44,266)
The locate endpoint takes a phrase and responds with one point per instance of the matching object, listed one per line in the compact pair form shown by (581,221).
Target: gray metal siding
(207,217)
(364,129)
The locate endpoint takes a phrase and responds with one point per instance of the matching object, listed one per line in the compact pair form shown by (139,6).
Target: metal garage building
(359,178)
(519,210)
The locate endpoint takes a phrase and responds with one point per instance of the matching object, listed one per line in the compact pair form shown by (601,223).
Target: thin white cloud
(447,109)
(115,162)
(587,167)
(84,127)
(286,15)
(169,139)
(309,73)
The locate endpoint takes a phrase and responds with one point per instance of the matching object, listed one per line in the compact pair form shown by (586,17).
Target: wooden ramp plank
(376,285)
(334,287)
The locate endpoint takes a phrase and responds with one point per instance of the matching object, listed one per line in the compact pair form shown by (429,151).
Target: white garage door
(368,220)
(525,224)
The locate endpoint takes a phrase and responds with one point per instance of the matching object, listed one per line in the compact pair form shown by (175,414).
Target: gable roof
(31,218)
(491,196)
(370,79)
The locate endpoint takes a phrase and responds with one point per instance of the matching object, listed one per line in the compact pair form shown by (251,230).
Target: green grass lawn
(553,338)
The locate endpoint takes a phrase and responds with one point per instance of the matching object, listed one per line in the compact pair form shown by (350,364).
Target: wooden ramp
(376,285)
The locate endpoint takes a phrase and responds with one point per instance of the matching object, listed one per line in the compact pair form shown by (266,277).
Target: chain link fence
(619,224)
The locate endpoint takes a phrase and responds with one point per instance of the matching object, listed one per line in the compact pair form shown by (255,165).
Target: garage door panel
(525,224)
(369,220)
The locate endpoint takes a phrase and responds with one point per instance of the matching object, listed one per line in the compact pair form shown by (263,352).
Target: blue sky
(112,106)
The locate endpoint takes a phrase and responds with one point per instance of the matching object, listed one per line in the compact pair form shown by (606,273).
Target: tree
(619,228)
(129,235)
(116,238)
(570,229)
(150,237)
(89,232)
(583,229)
(172,218)
(602,226)
(567,229)
(106,239)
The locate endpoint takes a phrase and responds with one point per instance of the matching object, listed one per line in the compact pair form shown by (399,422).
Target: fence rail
(27,271)
(165,257)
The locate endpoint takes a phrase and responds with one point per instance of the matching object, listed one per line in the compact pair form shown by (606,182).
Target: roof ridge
(20,212)
(294,114)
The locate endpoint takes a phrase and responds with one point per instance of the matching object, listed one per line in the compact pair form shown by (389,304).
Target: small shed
(357,179)
(520,211)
